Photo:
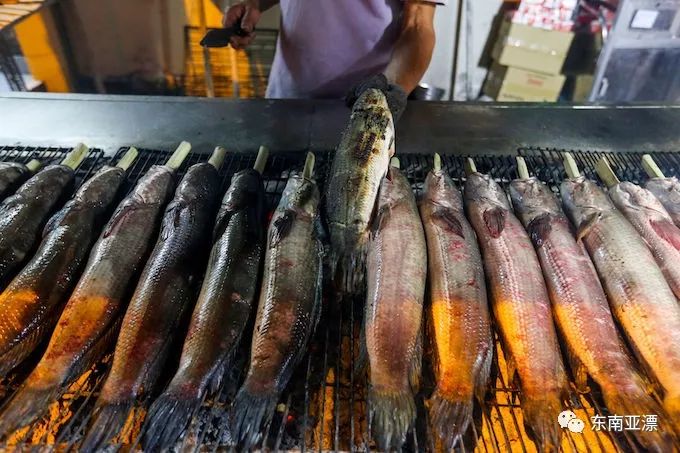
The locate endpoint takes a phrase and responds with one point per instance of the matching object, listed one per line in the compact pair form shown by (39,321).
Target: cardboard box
(531,48)
(519,85)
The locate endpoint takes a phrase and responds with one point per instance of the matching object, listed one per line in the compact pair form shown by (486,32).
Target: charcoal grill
(324,406)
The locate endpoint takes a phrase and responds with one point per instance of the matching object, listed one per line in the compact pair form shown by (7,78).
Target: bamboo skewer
(470,166)
(395,162)
(128,158)
(437,162)
(605,172)
(651,168)
(261,159)
(570,166)
(308,171)
(179,155)
(76,156)
(217,158)
(522,169)
(34,165)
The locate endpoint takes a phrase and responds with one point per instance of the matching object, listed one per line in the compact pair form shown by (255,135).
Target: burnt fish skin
(667,191)
(521,306)
(639,297)
(32,302)
(89,322)
(396,271)
(12,174)
(162,296)
(580,308)
(459,312)
(288,310)
(24,214)
(654,224)
(359,164)
(221,313)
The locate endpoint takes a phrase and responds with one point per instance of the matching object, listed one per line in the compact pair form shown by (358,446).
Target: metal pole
(8,65)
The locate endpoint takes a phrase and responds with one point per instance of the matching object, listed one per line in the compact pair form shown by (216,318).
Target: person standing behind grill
(330,49)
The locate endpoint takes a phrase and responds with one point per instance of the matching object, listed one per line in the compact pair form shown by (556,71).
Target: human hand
(395,95)
(248,13)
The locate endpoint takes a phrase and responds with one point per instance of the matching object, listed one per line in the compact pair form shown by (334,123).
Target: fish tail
(26,405)
(392,415)
(540,421)
(250,411)
(672,405)
(167,419)
(107,421)
(449,418)
(639,403)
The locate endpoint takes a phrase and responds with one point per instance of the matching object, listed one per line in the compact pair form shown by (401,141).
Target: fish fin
(579,371)
(539,229)
(587,225)
(671,404)
(449,418)
(281,227)
(106,422)
(641,403)
(540,421)
(416,363)
(223,219)
(668,231)
(122,212)
(32,336)
(392,415)
(448,221)
(483,376)
(380,218)
(250,412)
(494,219)
(168,418)
(361,363)
(172,218)
(26,405)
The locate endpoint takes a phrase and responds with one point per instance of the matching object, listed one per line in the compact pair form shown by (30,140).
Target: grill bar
(324,406)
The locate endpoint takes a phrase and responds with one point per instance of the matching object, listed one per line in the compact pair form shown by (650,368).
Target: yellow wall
(212,13)
(44,55)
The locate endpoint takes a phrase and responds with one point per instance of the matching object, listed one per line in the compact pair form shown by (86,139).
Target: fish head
(99,186)
(372,112)
(583,198)
(198,183)
(394,188)
(441,190)
(245,185)
(301,195)
(482,190)
(634,196)
(531,198)
(158,176)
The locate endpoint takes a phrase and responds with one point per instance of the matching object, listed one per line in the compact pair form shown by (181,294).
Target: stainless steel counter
(109,122)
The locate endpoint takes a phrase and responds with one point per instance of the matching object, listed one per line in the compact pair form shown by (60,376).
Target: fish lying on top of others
(460,324)
(164,293)
(396,268)
(521,307)
(581,311)
(89,322)
(655,225)
(24,214)
(12,175)
(667,191)
(359,164)
(221,313)
(288,310)
(32,302)
(638,294)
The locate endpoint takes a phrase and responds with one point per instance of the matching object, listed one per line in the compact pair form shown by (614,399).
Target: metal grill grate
(324,406)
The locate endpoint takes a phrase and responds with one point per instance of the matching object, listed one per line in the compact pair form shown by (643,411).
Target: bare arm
(413,50)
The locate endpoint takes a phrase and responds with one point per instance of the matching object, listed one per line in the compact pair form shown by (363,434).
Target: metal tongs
(220,37)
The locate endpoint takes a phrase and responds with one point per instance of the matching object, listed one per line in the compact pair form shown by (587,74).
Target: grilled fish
(162,296)
(221,313)
(521,307)
(638,294)
(24,214)
(359,165)
(289,307)
(667,191)
(459,312)
(580,307)
(396,268)
(31,304)
(655,225)
(12,174)
(90,319)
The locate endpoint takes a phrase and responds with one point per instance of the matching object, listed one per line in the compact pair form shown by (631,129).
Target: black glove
(395,95)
